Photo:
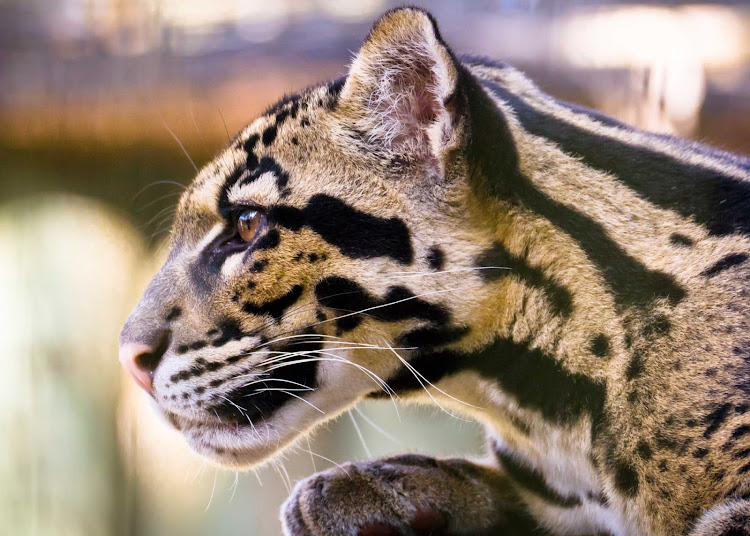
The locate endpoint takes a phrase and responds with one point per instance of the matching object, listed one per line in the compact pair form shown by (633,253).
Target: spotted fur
(441,229)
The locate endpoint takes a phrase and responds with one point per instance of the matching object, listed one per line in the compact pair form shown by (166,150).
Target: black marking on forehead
(399,303)
(436,258)
(269,135)
(725,263)
(355,233)
(249,146)
(559,297)
(533,481)
(493,150)
(712,198)
(536,379)
(277,307)
(268,165)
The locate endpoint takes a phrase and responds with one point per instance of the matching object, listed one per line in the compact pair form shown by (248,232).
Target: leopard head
(336,236)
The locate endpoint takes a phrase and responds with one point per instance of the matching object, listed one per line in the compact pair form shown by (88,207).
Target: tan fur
(390,144)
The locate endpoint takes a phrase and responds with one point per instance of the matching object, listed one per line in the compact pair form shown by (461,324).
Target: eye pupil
(248,223)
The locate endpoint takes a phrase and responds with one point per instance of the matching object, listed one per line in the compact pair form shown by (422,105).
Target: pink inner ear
(415,107)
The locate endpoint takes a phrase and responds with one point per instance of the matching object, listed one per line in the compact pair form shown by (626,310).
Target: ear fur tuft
(399,85)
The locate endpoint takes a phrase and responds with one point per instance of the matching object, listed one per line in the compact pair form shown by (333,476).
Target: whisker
(309,449)
(369,421)
(213,490)
(178,143)
(157,183)
(327,459)
(418,375)
(359,433)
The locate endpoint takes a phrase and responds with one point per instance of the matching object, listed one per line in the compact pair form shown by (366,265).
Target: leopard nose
(140,360)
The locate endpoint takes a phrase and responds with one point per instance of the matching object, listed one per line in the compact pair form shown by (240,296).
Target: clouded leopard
(435,227)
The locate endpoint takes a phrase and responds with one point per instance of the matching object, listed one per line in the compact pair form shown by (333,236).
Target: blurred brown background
(95,96)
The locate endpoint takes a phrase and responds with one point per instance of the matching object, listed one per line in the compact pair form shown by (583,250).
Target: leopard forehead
(302,146)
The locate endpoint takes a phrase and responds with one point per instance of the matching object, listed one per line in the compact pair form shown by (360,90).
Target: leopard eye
(248,223)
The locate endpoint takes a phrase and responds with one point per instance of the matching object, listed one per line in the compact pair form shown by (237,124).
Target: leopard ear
(401,87)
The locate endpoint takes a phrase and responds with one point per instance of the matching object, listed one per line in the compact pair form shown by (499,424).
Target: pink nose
(141,360)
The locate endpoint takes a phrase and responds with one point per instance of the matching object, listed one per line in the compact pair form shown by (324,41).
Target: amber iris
(248,223)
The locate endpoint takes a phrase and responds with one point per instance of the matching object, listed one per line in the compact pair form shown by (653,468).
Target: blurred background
(102,101)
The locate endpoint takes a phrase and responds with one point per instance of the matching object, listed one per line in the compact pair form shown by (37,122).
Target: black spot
(680,240)
(740,431)
(644,450)
(304,123)
(346,297)
(724,264)
(259,265)
(663,466)
(533,481)
(320,316)
(230,331)
(714,199)
(626,478)
(197,345)
(268,241)
(430,337)
(211,332)
(299,256)
(741,454)
(312,257)
(537,380)
(173,314)
(269,135)
(600,345)
(636,366)
(560,298)
(657,325)
(700,452)
(295,141)
(492,149)
(251,285)
(277,307)
(356,234)
(183,348)
(436,258)
(715,419)
(200,390)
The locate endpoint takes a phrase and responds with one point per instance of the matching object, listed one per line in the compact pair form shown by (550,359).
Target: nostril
(142,359)
(149,360)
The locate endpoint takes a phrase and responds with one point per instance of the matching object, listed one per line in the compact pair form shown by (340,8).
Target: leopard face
(333,238)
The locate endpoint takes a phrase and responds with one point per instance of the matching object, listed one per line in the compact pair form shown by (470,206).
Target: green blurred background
(95,96)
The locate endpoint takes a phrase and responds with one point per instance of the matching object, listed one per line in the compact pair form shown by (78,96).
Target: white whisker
(359,434)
